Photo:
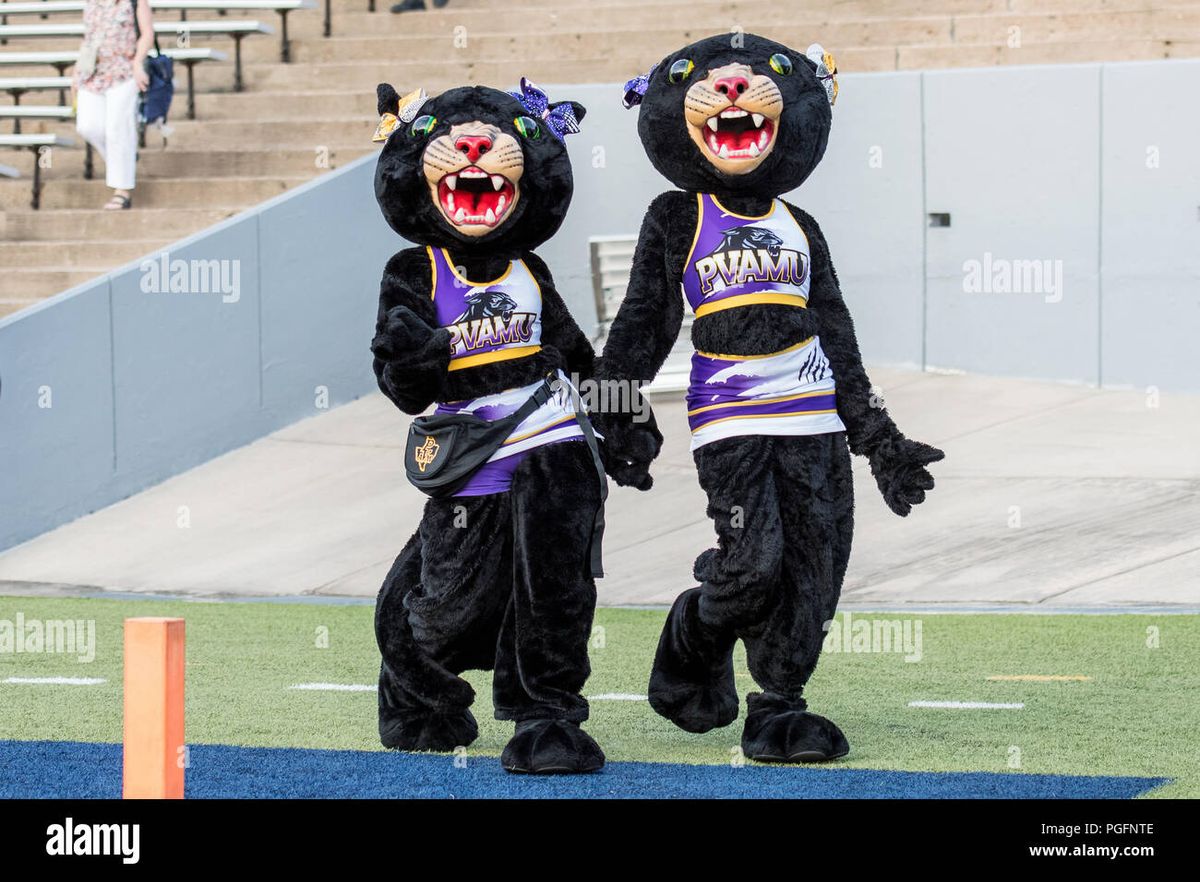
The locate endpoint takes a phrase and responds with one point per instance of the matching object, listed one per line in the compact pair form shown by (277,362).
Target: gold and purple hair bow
(826,70)
(559,118)
(635,89)
(407,109)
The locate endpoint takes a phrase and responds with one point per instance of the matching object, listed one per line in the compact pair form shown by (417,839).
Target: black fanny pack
(443,451)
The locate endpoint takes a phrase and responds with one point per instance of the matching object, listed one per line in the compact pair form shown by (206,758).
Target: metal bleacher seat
(45,8)
(18,86)
(60,60)
(36,142)
(238,29)
(18,112)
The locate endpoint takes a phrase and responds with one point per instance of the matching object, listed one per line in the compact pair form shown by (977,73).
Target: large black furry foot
(782,735)
(551,747)
(691,683)
(437,732)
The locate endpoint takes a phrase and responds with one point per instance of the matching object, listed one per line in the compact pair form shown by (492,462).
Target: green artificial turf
(1137,715)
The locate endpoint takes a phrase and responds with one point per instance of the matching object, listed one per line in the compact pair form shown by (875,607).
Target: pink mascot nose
(474,146)
(731,87)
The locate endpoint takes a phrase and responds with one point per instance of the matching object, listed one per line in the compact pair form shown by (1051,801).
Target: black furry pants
(783,508)
(499,583)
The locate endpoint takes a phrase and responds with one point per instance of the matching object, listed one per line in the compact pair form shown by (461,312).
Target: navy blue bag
(155,102)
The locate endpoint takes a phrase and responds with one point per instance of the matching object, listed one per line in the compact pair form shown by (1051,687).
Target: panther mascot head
(736,114)
(475,167)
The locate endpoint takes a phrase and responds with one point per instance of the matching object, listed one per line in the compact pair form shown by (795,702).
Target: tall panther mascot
(497,576)
(778,397)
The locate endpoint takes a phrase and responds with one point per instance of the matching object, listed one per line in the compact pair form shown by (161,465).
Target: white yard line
(969,705)
(57,681)
(362,687)
(617,696)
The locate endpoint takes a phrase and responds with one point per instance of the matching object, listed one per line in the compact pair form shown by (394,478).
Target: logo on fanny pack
(426,453)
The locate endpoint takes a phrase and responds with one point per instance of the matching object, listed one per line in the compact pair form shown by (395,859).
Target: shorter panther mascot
(497,577)
(778,397)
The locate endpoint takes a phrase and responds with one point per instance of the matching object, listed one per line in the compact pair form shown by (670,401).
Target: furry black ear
(578,109)
(388,99)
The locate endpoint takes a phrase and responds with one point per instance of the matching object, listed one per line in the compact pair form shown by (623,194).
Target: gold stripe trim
(799,345)
(749,299)
(750,401)
(432,273)
(563,421)
(687,264)
(466,361)
(760,416)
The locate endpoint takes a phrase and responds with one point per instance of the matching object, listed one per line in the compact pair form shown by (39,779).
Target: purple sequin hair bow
(559,119)
(635,89)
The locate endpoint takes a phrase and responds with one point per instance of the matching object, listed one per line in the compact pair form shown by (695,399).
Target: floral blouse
(109,25)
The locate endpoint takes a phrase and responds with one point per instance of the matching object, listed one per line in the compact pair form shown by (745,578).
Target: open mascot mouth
(473,197)
(735,134)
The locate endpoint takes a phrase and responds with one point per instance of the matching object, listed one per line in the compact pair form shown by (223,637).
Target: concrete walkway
(1051,496)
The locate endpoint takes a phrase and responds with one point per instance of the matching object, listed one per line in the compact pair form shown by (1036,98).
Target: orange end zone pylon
(155,753)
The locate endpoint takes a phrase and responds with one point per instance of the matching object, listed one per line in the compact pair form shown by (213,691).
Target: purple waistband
(745,409)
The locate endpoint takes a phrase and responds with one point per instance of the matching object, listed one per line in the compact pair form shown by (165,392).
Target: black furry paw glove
(898,465)
(404,335)
(628,450)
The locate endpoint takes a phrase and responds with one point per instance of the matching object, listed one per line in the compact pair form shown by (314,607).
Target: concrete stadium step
(152,192)
(838,9)
(181,162)
(295,132)
(351,16)
(548,19)
(572,44)
(363,76)
(254,133)
(26,285)
(1182,24)
(323,103)
(77,253)
(1062,52)
(80,223)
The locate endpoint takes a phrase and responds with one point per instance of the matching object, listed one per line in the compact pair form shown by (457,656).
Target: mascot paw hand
(899,467)
(402,333)
(628,451)
(628,473)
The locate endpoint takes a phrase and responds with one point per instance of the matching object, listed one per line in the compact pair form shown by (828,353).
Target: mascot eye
(781,64)
(528,127)
(680,70)
(423,125)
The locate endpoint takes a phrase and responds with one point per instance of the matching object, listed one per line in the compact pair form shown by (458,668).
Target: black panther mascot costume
(778,397)
(497,576)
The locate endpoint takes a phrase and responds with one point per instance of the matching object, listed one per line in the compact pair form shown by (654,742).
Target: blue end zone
(69,769)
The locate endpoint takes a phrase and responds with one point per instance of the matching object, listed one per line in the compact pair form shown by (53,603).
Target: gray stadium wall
(1093,166)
